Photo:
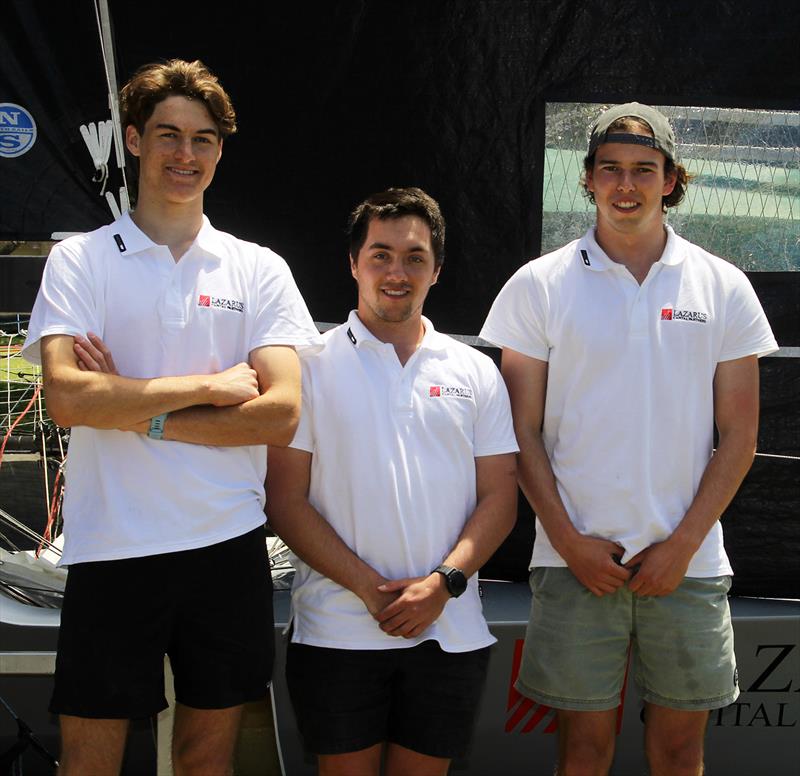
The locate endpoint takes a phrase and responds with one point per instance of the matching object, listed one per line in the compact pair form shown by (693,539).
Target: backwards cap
(663,137)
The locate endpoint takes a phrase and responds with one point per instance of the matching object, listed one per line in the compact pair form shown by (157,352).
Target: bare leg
(364,762)
(586,742)
(204,740)
(674,740)
(401,762)
(93,746)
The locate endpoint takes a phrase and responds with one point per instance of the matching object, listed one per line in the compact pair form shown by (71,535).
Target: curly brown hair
(682,176)
(152,83)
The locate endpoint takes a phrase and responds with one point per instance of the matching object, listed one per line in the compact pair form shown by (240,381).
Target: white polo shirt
(127,495)
(393,471)
(629,415)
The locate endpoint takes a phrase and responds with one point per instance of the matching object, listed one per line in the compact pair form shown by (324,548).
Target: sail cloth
(52,81)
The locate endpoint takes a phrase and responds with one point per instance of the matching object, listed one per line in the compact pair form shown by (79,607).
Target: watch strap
(156,430)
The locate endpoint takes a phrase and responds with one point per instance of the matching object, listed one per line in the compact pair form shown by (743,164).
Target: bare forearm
(262,421)
(720,481)
(109,401)
(311,537)
(490,523)
(538,484)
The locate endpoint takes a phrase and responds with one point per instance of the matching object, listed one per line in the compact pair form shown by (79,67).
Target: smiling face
(394,270)
(178,152)
(628,182)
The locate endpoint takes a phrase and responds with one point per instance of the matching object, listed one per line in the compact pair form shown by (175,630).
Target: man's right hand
(234,385)
(592,561)
(376,600)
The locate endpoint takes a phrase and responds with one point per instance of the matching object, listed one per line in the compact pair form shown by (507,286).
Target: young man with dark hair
(399,484)
(621,351)
(163,512)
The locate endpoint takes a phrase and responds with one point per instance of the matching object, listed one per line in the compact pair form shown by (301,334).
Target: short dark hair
(682,177)
(397,203)
(153,83)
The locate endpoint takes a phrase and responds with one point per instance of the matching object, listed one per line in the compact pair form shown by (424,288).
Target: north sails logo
(451,391)
(669,314)
(224,304)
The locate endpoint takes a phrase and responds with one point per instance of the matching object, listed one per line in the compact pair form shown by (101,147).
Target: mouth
(626,205)
(182,173)
(396,293)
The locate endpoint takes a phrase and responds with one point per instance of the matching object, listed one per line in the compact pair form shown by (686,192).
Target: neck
(637,251)
(175,226)
(404,336)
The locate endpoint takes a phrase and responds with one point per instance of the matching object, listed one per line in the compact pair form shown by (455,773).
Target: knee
(676,757)
(586,758)
(191,758)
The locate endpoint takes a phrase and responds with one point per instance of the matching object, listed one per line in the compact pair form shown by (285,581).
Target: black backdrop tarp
(340,99)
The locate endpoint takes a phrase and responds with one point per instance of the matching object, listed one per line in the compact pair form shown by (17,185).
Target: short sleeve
(494,427)
(282,317)
(517,319)
(66,302)
(747,331)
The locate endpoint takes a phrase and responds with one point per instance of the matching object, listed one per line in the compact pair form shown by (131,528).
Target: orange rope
(14,424)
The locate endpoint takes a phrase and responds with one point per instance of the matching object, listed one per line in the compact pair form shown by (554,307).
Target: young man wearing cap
(621,351)
(399,484)
(163,510)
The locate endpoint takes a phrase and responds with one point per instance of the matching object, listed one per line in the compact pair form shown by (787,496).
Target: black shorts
(209,609)
(421,697)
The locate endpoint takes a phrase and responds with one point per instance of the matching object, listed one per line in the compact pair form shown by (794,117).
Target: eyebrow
(643,163)
(209,131)
(385,247)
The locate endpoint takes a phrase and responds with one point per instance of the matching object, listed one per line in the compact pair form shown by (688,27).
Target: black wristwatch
(454,579)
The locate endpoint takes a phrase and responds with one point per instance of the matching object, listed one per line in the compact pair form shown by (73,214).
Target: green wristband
(156,430)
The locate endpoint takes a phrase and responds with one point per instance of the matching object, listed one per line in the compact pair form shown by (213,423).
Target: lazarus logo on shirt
(204,300)
(450,391)
(670,314)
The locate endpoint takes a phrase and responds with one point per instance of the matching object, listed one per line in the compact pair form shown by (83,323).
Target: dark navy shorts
(209,609)
(420,697)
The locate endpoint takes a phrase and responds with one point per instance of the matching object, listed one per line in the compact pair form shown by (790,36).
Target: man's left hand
(662,567)
(418,606)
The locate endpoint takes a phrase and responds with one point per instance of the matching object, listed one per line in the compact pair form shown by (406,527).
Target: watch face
(456,583)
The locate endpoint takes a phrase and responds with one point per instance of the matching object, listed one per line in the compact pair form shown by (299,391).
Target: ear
(219,151)
(669,183)
(589,174)
(353,267)
(436,275)
(132,139)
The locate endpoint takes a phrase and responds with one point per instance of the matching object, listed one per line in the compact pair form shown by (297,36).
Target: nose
(396,269)
(184,149)
(626,181)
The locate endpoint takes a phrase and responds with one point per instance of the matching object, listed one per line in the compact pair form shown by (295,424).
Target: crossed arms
(404,607)
(662,566)
(247,404)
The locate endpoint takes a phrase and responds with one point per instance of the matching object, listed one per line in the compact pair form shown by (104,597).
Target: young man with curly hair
(621,351)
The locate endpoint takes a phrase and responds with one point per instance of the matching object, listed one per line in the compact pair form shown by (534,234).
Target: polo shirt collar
(593,257)
(359,334)
(126,234)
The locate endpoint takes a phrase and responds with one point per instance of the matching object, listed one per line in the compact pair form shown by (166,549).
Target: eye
(416,259)
(202,139)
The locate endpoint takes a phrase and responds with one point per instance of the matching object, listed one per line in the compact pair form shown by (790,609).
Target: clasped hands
(655,571)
